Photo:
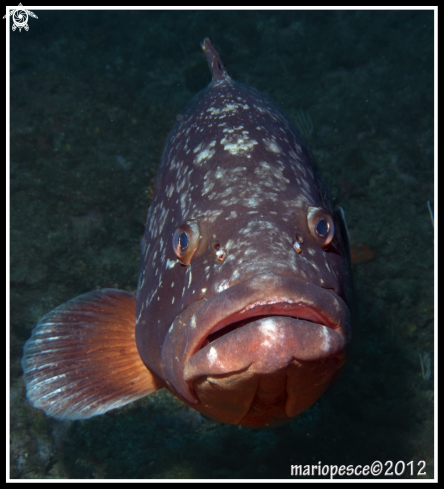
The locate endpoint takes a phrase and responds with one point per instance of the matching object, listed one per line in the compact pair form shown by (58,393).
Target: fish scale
(241,240)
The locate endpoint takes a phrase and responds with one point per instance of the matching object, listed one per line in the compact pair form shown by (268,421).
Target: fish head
(259,323)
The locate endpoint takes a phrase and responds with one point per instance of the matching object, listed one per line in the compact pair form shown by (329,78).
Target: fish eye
(321,225)
(185,241)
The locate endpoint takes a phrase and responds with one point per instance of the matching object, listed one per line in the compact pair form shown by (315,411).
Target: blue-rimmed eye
(185,241)
(321,225)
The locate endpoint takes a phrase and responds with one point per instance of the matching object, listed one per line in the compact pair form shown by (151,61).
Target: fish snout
(260,352)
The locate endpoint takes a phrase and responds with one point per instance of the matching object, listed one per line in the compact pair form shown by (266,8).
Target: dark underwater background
(93,95)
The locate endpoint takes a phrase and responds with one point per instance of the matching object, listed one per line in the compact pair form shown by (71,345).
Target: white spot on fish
(326,339)
(193,322)
(272,146)
(212,355)
(237,144)
(205,154)
(270,331)
(223,286)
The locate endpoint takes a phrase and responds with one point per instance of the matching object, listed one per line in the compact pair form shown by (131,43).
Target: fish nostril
(297,244)
(297,247)
(220,254)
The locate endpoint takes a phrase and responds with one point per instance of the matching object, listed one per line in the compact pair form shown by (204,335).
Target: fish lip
(276,306)
(266,293)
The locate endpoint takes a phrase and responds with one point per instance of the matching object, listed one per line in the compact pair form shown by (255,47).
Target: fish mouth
(259,325)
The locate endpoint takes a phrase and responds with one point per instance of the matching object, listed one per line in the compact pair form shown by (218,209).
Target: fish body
(242,305)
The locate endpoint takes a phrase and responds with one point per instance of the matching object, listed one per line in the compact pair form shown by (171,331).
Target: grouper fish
(242,308)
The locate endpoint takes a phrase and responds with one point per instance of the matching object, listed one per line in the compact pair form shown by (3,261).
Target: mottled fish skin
(237,167)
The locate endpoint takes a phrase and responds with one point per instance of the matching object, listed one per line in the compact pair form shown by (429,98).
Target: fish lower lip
(265,345)
(265,294)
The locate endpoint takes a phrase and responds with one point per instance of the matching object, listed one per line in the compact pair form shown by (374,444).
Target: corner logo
(20,18)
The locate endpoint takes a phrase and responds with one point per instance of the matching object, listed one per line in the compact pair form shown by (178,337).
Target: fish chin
(266,372)
(260,352)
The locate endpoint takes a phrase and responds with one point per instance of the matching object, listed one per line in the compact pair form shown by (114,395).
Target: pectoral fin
(82,359)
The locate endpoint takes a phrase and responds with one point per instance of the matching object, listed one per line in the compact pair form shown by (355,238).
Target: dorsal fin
(217,68)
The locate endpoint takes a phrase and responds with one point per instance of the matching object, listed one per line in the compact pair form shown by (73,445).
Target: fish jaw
(283,365)
(260,352)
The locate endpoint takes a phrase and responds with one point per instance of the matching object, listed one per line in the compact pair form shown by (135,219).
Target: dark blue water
(93,97)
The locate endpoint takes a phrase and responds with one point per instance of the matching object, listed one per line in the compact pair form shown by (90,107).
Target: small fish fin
(344,228)
(82,358)
(218,71)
